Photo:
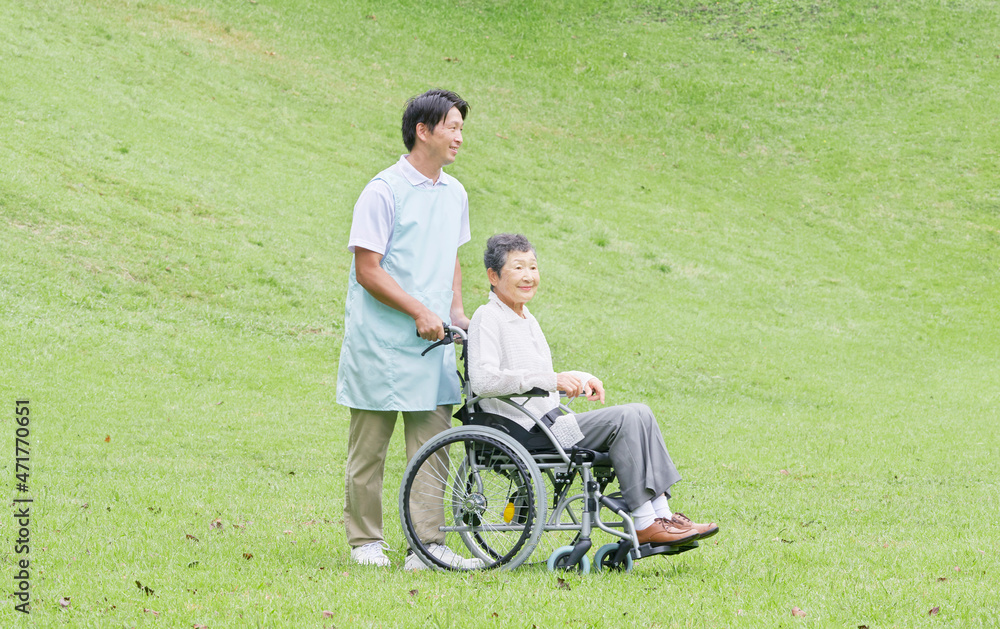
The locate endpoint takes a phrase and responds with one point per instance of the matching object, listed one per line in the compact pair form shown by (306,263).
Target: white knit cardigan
(508,354)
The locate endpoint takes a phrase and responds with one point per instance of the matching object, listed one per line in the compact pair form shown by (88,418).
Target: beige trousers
(367,446)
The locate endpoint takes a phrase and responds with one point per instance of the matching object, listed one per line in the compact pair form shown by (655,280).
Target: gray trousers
(630,434)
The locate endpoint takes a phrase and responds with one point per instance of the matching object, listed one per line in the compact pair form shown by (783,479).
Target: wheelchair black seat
(534,441)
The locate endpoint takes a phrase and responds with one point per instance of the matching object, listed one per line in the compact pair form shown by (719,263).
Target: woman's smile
(518,280)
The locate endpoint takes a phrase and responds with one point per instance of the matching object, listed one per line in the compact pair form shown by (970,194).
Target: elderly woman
(509,355)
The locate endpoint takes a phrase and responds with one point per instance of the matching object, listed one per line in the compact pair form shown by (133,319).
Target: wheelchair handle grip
(451,332)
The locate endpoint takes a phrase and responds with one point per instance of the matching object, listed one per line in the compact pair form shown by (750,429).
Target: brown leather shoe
(703,530)
(663,531)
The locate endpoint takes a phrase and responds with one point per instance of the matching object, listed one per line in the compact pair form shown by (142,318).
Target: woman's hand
(594,390)
(569,383)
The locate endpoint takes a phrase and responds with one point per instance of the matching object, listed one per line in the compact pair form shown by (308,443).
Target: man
(405,283)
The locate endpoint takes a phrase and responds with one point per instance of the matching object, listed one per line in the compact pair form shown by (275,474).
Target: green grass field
(775,222)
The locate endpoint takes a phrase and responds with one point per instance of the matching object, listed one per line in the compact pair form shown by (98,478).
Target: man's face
(444,141)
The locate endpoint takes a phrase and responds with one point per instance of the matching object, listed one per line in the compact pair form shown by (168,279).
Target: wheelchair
(497,493)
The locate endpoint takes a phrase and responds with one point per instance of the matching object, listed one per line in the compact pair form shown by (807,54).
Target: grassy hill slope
(777,223)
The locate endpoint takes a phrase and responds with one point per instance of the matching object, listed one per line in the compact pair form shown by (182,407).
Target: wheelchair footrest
(647,550)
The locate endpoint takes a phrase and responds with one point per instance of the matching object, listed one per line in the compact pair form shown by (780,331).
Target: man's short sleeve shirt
(375,210)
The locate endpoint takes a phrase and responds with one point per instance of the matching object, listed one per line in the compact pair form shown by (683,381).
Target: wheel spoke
(484,503)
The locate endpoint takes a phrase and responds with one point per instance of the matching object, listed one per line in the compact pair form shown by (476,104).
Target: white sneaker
(445,554)
(371,555)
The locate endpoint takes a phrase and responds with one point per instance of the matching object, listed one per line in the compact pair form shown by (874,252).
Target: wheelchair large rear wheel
(476,491)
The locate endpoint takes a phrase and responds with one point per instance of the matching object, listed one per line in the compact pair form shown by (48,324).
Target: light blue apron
(380,363)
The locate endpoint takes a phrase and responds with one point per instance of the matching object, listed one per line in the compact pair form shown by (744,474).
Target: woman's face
(518,280)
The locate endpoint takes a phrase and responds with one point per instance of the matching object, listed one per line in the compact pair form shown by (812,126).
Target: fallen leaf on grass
(64,602)
(145,589)
(107,439)
(327,614)
(785,472)
(798,612)
(189,536)
(197,626)
(216,523)
(248,556)
(940,579)
(149,611)
(414,592)
(862,626)
(563,585)
(934,611)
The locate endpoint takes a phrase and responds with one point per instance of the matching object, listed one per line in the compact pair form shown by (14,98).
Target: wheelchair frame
(484,494)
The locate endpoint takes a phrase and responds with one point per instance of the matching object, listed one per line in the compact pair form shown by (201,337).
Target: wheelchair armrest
(534,392)
(583,455)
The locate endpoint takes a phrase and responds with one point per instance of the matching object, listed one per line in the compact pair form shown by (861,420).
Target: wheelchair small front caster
(604,559)
(559,559)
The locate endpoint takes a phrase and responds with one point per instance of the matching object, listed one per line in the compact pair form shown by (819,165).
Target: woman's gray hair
(498,246)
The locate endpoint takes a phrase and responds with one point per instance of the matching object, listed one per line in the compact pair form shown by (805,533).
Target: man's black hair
(430,108)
